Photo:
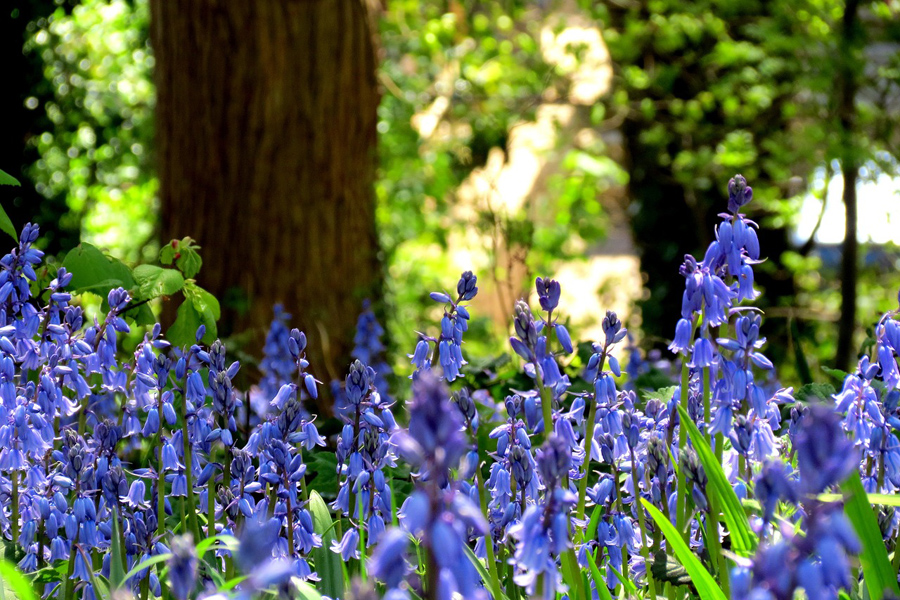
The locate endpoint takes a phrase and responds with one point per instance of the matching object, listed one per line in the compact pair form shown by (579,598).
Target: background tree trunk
(266,143)
(846,98)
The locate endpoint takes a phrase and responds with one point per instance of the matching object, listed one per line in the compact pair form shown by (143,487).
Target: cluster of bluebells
(364,451)
(454,324)
(73,409)
(102,450)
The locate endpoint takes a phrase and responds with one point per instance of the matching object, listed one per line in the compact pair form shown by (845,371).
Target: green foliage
(7,179)
(97,150)
(327,563)
(743,540)
(15,582)
(96,272)
(879,576)
(707,588)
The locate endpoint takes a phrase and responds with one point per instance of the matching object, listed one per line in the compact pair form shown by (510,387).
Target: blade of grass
(877,571)
(482,572)
(707,588)
(743,540)
(599,580)
(874,499)
(148,562)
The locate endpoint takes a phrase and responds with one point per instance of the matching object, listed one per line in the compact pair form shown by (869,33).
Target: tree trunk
(266,117)
(848,86)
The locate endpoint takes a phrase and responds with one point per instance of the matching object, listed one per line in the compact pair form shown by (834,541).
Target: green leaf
(594,522)
(206,306)
(16,581)
(836,373)
(228,541)
(662,394)
(627,584)
(117,562)
(7,179)
(328,564)
(189,262)
(307,592)
(324,467)
(706,586)
(94,271)
(482,571)
(153,281)
(877,571)
(167,253)
(231,583)
(743,540)
(6,224)
(148,562)
(814,390)
(874,499)
(571,574)
(183,331)
(597,576)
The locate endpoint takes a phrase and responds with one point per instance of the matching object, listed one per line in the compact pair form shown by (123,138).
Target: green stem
(303,493)
(160,487)
(588,440)
(189,470)
(15,507)
(546,406)
(680,505)
(362,540)
(488,539)
(645,551)
(68,586)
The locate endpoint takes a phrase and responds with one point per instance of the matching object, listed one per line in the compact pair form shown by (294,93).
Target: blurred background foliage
(696,92)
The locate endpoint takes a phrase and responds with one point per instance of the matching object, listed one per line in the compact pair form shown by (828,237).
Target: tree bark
(266,138)
(848,86)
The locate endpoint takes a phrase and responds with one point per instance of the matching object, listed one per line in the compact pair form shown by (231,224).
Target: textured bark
(266,137)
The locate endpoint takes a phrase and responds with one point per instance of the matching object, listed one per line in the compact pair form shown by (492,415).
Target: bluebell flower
(388,561)
(183,567)
(825,457)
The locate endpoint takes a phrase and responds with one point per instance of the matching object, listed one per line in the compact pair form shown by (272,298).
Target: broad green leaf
(207,307)
(836,373)
(328,563)
(189,262)
(94,271)
(813,391)
(482,571)
(743,540)
(707,588)
(153,281)
(662,394)
(877,571)
(16,581)
(7,179)
(6,224)
(183,331)
(167,253)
